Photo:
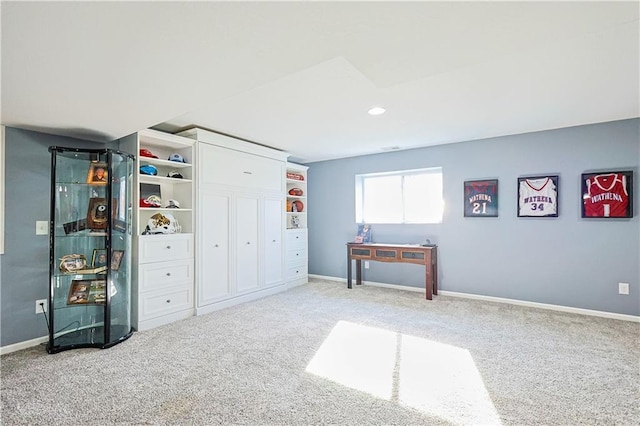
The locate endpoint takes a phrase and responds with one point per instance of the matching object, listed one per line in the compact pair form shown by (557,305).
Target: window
(408,196)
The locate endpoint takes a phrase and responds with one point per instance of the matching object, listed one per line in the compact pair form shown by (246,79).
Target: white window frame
(359,193)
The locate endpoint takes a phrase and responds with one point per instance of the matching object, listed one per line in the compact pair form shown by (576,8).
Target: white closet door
(273,244)
(247,250)
(214,238)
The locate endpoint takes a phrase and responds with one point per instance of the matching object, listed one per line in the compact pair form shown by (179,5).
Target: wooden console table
(403,253)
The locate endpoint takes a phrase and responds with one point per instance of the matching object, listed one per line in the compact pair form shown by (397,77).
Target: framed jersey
(481,198)
(538,196)
(607,194)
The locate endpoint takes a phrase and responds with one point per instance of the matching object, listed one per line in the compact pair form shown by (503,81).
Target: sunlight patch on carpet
(438,379)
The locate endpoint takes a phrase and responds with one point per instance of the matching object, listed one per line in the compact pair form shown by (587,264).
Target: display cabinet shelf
(164,278)
(90,248)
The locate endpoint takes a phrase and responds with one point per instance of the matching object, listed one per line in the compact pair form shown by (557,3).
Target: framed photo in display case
(116,259)
(99,258)
(607,194)
(97,174)
(538,196)
(481,198)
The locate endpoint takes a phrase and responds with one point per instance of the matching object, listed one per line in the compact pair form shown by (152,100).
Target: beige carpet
(322,354)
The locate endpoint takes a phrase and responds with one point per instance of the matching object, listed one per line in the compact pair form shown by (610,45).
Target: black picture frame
(99,258)
(481,198)
(607,194)
(538,196)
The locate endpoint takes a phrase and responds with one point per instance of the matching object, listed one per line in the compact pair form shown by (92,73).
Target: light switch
(42,227)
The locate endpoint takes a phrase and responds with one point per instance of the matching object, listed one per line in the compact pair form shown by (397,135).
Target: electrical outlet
(623,288)
(366,264)
(41,308)
(42,227)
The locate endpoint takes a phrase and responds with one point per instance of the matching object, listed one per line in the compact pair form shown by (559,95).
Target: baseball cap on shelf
(148,169)
(174,174)
(172,204)
(177,158)
(146,153)
(150,201)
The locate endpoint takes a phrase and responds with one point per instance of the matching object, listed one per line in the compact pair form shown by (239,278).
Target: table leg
(434,267)
(428,285)
(358,271)
(348,268)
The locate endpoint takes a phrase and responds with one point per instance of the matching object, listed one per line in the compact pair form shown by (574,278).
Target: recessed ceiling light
(377,111)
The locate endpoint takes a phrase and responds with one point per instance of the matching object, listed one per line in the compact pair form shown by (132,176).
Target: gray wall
(24,276)
(565,261)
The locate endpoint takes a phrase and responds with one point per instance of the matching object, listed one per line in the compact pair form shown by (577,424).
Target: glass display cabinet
(90,248)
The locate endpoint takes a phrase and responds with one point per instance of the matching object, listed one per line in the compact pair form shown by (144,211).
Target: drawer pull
(168,247)
(168,300)
(216,245)
(248,242)
(274,241)
(168,274)
(247,173)
(297,254)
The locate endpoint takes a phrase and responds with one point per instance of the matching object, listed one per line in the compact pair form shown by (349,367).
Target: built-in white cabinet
(296,217)
(240,244)
(163,281)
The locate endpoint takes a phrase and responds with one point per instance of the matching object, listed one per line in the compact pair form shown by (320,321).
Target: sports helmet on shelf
(162,223)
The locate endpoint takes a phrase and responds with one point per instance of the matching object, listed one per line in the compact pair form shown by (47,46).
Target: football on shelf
(296,192)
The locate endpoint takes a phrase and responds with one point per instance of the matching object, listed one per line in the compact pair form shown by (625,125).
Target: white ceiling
(300,76)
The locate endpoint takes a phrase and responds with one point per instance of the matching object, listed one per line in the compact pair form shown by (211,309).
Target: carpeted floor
(322,354)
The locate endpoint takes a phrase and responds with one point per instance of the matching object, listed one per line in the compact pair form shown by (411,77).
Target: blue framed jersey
(481,198)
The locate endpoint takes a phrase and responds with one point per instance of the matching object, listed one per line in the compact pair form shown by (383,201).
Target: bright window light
(409,196)
(439,380)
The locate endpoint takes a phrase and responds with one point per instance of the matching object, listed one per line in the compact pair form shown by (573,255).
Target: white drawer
(235,168)
(296,239)
(294,272)
(159,275)
(158,248)
(165,302)
(297,254)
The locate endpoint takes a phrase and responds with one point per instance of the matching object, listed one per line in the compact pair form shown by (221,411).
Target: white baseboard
(23,345)
(148,324)
(240,299)
(581,311)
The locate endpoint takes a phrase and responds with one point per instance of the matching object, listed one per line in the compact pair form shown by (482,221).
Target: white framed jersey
(607,195)
(538,196)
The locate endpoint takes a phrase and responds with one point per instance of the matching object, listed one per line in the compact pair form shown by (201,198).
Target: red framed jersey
(607,195)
